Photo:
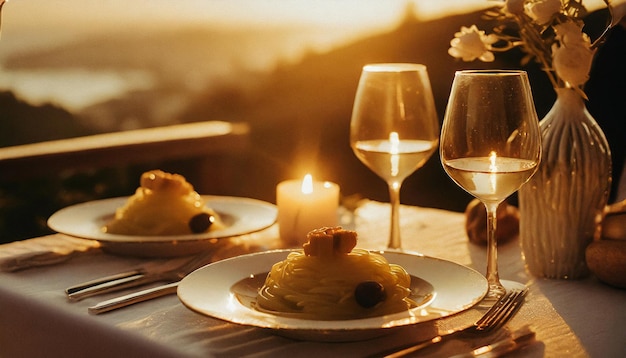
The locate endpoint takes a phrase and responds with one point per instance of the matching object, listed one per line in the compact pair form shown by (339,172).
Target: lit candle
(304,206)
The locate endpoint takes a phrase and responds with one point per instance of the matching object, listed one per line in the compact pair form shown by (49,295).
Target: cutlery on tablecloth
(518,339)
(498,315)
(136,278)
(132,298)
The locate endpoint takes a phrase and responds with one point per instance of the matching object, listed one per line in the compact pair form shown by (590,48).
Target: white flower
(549,32)
(542,11)
(470,44)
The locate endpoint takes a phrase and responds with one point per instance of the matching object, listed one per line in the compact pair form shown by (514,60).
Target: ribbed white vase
(562,204)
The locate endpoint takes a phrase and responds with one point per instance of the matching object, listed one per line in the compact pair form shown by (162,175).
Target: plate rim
(282,324)
(53,224)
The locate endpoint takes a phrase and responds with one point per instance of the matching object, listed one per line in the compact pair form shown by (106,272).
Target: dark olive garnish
(369,293)
(201,222)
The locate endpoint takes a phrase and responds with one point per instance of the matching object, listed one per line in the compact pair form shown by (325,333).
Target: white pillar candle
(304,206)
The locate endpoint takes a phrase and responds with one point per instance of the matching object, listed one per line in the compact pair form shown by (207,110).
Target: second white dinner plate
(226,290)
(86,220)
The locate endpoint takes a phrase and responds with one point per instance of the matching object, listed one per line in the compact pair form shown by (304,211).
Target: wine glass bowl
(394,127)
(490,143)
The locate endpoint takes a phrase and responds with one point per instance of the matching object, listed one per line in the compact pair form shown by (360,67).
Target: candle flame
(492,162)
(394,139)
(307,184)
(493,168)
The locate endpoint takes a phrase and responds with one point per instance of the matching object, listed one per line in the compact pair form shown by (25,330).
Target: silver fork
(136,278)
(498,315)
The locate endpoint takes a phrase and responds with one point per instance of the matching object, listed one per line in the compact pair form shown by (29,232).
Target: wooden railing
(173,142)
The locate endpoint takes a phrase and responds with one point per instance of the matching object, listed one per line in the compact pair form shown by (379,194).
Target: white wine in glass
(490,144)
(394,128)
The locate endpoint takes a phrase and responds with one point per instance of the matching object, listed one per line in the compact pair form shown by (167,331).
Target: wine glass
(394,127)
(491,144)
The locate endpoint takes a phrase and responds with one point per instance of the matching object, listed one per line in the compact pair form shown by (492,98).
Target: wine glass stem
(394,199)
(495,287)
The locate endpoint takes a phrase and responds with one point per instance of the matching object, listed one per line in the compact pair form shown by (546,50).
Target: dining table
(570,318)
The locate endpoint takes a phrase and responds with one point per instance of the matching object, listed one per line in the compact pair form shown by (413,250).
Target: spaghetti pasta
(323,287)
(164,204)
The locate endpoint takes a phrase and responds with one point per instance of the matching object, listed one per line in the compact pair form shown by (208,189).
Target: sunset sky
(361,12)
(32,25)
(39,19)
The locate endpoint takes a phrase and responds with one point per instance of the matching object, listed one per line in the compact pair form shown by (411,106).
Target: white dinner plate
(226,289)
(86,220)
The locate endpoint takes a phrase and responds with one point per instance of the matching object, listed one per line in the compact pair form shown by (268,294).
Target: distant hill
(22,123)
(186,56)
(178,61)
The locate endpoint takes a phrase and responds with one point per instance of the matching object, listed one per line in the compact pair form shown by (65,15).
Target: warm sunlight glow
(307,184)
(305,27)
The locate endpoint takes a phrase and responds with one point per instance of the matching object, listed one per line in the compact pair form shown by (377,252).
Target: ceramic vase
(561,206)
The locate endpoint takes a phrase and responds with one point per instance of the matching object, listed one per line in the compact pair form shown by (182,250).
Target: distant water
(73,89)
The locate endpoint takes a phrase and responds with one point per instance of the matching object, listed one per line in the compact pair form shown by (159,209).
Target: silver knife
(132,298)
(137,278)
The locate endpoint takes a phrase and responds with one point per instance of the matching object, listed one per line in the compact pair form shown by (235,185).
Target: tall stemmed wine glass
(394,127)
(490,144)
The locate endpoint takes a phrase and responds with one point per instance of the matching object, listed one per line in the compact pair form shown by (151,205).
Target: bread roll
(607,260)
(476,222)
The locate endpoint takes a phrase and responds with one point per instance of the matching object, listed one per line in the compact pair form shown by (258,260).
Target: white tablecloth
(571,318)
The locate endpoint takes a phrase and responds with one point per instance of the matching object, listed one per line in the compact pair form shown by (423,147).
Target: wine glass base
(496,292)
